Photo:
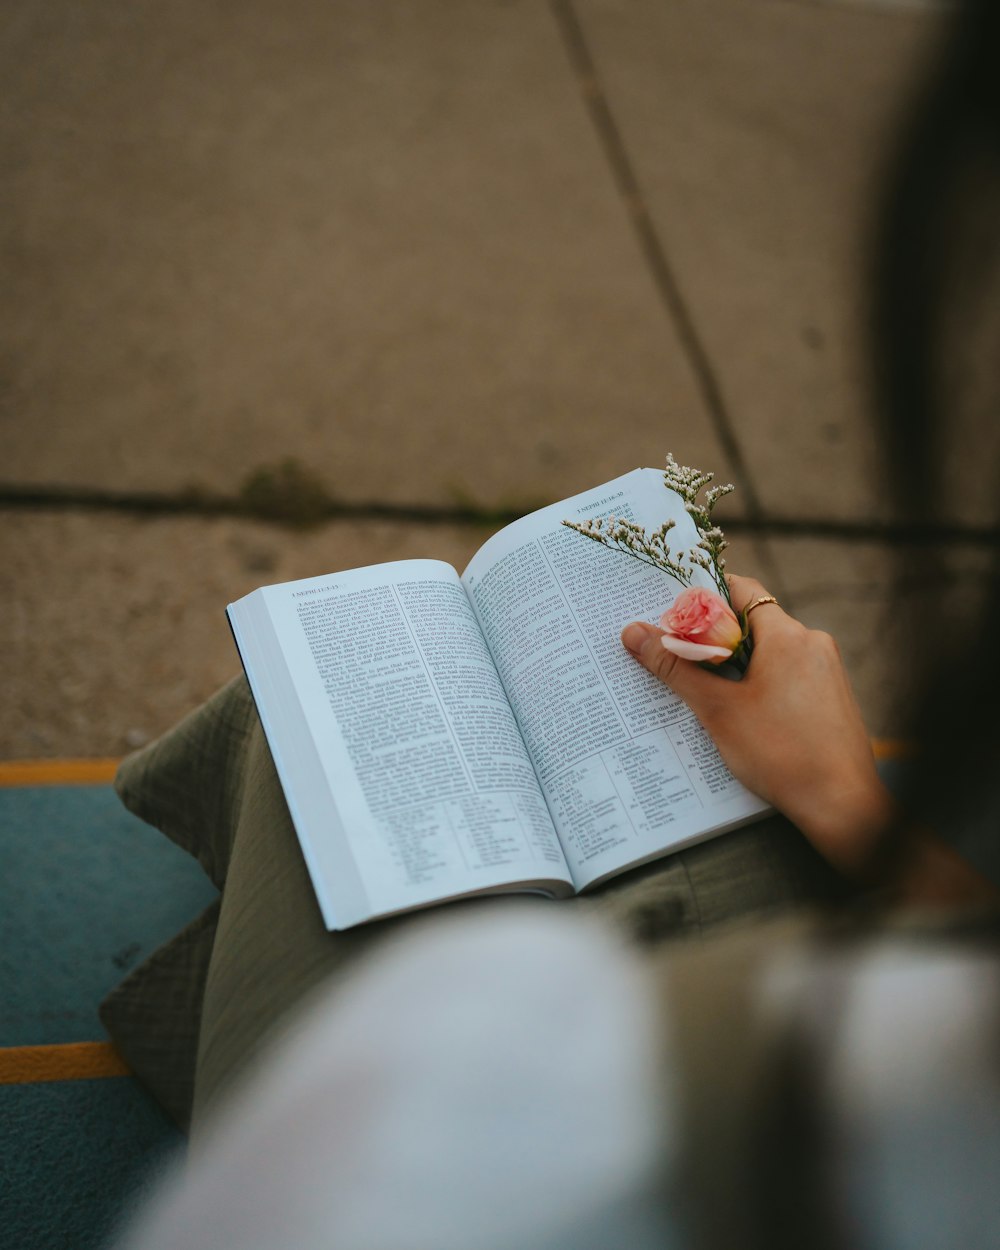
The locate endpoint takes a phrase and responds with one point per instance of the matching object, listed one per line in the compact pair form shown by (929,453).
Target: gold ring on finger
(758,601)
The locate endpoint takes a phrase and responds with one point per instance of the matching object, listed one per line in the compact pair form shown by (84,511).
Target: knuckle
(787,630)
(824,643)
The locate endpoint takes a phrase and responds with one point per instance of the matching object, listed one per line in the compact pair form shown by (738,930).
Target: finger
(683,677)
(745,591)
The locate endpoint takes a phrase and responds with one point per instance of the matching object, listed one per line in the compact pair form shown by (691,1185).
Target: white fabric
(488,1082)
(905,1035)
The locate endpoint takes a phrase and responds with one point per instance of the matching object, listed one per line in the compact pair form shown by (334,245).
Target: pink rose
(701,626)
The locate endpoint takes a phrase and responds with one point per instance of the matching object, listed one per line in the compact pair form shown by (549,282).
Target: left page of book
(405,775)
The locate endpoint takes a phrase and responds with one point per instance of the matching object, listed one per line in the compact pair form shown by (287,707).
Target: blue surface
(87,891)
(73,1156)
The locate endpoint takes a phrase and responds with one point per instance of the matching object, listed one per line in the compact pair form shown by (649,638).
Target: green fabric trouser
(192,1017)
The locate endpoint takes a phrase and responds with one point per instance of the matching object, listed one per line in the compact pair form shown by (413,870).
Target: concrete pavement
(467,255)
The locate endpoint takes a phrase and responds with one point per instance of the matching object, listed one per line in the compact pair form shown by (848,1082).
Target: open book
(439,736)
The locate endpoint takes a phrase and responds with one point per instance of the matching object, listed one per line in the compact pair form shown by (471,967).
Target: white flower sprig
(632,539)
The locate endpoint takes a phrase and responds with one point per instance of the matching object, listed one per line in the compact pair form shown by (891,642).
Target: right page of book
(627,770)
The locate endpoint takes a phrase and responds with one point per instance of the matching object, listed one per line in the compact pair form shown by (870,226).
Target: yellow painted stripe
(80,772)
(892,748)
(57,772)
(73,1061)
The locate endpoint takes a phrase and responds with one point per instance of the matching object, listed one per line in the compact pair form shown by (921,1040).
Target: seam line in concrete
(653,250)
(666,284)
(152,504)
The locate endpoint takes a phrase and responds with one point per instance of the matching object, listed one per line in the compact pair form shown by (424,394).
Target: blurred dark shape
(954,127)
(946,164)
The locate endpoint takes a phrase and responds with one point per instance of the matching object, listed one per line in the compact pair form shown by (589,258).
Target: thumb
(683,677)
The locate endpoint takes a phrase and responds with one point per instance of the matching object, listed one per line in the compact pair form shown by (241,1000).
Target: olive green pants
(192,1017)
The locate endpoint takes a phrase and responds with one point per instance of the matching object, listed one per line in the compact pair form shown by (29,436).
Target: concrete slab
(114,628)
(881,614)
(757,132)
(380,239)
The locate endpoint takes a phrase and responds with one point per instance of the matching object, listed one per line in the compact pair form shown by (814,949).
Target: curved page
(627,771)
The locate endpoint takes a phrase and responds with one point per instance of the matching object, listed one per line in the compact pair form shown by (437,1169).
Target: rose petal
(703,617)
(695,650)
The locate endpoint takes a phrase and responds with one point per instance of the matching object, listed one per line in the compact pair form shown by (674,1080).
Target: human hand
(790,730)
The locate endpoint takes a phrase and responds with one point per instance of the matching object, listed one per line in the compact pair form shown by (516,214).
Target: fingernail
(635,635)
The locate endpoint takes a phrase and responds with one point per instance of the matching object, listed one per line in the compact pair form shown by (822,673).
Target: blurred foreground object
(514,1077)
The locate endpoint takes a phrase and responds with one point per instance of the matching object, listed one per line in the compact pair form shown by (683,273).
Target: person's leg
(190,782)
(272,948)
(762,869)
(271,945)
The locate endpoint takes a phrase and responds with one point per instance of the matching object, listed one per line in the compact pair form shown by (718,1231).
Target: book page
(626,768)
(419,751)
